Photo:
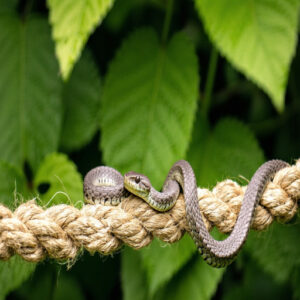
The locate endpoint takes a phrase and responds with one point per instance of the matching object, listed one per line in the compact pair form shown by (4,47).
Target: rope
(61,231)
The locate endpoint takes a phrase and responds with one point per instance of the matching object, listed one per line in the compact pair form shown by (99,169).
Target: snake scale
(106,185)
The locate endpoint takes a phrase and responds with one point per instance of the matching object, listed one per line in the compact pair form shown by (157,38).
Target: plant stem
(213,61)
(167,21)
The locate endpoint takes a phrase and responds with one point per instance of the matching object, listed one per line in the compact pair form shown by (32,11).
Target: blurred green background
(137,85)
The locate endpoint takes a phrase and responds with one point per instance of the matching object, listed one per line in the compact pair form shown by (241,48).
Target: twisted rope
(61,231)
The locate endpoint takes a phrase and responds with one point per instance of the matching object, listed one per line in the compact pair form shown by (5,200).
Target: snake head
(137,184)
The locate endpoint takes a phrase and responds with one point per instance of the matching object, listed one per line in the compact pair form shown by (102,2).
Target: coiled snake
(106,185)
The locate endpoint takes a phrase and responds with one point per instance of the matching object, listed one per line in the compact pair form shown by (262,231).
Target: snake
(107,186)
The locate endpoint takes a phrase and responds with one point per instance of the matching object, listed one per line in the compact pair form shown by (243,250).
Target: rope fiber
(61,231)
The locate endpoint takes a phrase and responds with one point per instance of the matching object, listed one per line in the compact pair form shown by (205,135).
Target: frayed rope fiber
(61,231)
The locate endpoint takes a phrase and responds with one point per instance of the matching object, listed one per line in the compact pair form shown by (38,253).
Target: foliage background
(155,82)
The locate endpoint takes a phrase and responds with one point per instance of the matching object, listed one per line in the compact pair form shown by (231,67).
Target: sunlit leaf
(72,23)
(148,111)
(257,36)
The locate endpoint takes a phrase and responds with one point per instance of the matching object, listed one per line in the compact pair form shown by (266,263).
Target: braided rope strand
(61,231)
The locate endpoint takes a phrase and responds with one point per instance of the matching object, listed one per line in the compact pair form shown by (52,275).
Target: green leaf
(148,112)
(12,185)
(38,285)
(295,282)
(253,284)
(64,180)
(257,36)
(30,91)
(72,23)
(228,151)
(197,280)
(66,285)
(231,150)
(81,99)
(122,10)
(276,250)
(8,6)
(12,273)
(134,284)
(51,281)
(200,136)
(162,261)
(119,13)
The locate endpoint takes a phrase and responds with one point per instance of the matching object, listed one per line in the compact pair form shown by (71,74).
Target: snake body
(216,253)
(104,185)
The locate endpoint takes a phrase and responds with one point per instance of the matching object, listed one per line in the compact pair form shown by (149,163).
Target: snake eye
(137,179)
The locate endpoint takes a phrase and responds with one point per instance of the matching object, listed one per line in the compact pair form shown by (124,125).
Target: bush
(213,82)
